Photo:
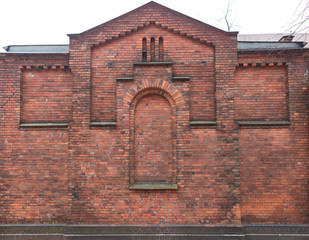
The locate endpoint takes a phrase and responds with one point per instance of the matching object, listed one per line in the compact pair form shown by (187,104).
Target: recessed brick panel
(261,93)
(153,140)
(46,95)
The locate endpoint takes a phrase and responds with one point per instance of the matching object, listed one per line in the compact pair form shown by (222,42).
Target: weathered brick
(230,165)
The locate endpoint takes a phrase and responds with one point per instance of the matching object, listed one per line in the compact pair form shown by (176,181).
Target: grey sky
(48,22)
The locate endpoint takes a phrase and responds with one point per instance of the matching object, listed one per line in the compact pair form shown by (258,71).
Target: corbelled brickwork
(154,118)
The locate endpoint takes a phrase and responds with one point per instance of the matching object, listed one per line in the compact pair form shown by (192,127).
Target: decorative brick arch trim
(174,98)
(153,91)
(160,87)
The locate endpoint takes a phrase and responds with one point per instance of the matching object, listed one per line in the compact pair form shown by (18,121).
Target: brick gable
(154,118)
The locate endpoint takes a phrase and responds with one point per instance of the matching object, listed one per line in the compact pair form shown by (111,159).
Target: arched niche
(153,140)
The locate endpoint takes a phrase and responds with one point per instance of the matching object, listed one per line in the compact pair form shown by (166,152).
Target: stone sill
(180,79)
(153,186)
(153,63)
(44,125)
(155,231)
(203,123)
(263,123)
(125,79)
(103,124)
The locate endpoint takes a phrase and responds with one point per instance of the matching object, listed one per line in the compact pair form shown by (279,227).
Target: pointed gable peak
(151,4)
(153,12)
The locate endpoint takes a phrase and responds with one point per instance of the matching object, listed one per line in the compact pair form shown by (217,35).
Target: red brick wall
(261,93)
(33,183)
(273,177)
(102,196)
(98,159)
(226,173)
(46,95)
(274,159)
(36,178)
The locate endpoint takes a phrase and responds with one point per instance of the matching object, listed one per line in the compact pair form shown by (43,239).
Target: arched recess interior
(153,137)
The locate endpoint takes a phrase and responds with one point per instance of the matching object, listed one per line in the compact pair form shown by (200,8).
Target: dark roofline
(21,45)
(274,42)
(267,51)
(37,48)
(242,46)
(266,46)
(271,42)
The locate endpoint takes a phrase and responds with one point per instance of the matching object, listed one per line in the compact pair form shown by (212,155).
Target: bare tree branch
(300,19)
(228,24)
(227,15)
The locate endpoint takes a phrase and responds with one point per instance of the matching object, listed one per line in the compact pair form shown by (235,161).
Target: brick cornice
(144,25)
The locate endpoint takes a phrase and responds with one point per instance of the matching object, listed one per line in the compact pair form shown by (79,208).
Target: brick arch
(141,94)
(153,91)
(160,87)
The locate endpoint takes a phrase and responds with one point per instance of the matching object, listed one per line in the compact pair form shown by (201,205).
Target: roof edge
(196,20)
(37,48)
(233,33)
(113,19)
(272,50)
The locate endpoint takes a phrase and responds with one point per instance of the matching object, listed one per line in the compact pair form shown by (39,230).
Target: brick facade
(154,118)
